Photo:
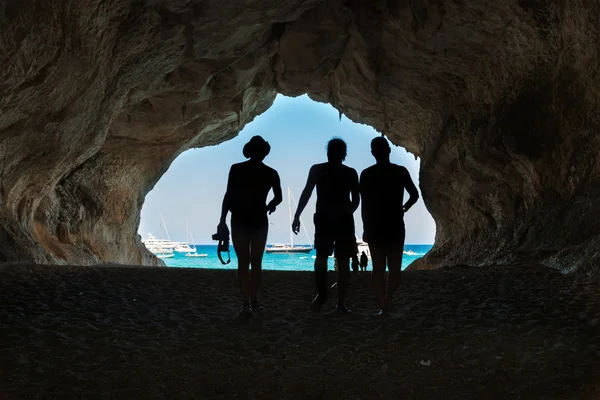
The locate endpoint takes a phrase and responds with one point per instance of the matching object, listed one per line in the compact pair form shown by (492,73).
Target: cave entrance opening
(188,196)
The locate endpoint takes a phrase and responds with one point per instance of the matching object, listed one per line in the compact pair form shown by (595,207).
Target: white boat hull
(196,255)
(165,255)
(295,249)
(185,250)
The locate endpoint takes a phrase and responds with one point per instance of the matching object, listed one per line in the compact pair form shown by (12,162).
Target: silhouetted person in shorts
(247,188)
(364,261)
(382,190)
(337,199)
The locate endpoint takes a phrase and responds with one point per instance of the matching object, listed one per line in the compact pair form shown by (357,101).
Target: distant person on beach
(382,190)
(364,261)
(337,199)
(247,188)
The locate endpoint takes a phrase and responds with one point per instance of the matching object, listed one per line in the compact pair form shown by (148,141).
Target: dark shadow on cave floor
(145,333)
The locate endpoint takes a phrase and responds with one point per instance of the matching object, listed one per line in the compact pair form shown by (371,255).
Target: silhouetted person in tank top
(337,199)
(382,191)
(247,188)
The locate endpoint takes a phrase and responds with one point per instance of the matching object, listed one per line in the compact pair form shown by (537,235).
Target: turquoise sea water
(282,262)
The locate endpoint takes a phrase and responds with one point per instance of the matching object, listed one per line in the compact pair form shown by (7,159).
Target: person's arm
(226,206)
(278,197)
(412,191)
(362,186)
(304,197)
(354,192)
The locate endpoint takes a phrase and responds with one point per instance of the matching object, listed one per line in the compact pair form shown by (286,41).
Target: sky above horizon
(298,130)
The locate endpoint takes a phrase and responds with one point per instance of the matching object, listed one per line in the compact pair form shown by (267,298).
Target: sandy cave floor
(167,333)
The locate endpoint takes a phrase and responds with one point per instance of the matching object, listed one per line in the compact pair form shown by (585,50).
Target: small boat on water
(184,248)
(165,255)
(192,249)
(162,248)
(289,248)
(196,255)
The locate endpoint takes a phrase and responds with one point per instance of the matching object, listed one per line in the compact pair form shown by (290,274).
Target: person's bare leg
(395,267)
(343,278)
(378,262)
(257,249)
(321,281)
(241,245)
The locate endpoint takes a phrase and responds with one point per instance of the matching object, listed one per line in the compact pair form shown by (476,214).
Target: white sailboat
(162,248)
(184,247)
(192,253)
(290,248)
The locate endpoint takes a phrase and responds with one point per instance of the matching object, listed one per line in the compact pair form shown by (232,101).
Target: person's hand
(271,208)
(296,225)
(222,227)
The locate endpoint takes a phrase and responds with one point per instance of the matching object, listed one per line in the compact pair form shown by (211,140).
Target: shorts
(334,234)
(385,238)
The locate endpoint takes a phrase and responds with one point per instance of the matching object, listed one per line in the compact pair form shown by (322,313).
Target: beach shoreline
(132,332)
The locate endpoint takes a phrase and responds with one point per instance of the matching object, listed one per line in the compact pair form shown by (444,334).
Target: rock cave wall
(498,98)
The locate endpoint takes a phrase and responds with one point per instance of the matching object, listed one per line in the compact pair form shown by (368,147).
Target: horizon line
(305,244)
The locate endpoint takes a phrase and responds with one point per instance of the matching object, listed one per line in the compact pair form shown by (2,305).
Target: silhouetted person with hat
(337,199)
(247,188)
(382,191)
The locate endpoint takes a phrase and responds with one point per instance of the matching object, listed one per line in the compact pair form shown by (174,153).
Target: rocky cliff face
(498,98)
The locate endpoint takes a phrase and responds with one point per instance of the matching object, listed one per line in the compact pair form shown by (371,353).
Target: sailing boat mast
(187,239)
(191,237)
(285,248)
(290,214)
(165,226)
(301,221)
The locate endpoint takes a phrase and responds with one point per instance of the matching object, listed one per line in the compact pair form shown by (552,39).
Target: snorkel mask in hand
(222,236)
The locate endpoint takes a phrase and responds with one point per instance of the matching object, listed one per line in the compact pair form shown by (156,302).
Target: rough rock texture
(498,98)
